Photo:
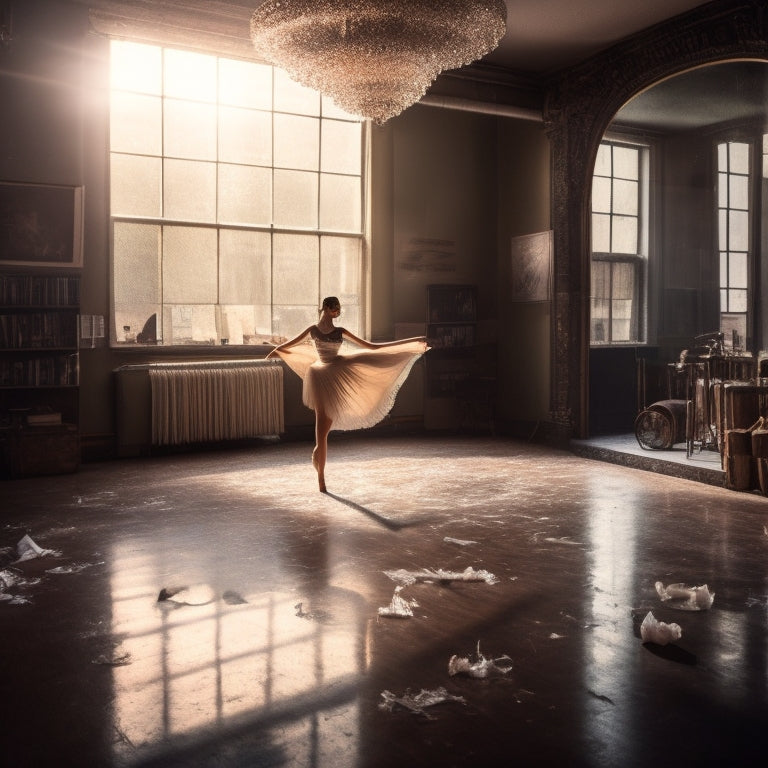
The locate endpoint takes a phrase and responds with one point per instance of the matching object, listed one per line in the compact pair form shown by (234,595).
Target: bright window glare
(245,84)
(136,67)
(190,75)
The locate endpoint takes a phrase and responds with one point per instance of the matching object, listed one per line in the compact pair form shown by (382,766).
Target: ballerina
(348,386)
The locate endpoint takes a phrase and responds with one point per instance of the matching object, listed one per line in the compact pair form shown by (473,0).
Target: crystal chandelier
(374,58)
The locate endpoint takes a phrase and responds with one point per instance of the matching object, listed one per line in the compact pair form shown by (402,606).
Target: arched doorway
(677,235)
(580,107)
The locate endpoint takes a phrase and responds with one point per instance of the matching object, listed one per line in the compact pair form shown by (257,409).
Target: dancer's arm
(371,345)
(288,344)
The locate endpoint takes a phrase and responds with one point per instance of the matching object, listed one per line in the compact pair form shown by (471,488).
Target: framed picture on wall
(41,225)
(530,266)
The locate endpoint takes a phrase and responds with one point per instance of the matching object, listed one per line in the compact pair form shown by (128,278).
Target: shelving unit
(452,336)
(460,370)
(39,373)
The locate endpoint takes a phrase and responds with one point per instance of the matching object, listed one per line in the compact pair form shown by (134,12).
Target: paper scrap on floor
(399,607)
(419,702)
(654,631)
(438,574)
(481,667)
(685,598)
(28,550)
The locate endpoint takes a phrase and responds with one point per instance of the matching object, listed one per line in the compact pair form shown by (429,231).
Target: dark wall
(445,166)
(525,331)
(623,381)
(41,86)
(53,85)
(689,297)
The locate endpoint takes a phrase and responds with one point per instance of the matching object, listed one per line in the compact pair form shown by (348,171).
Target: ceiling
(542,37)
(735,91)
(545,35)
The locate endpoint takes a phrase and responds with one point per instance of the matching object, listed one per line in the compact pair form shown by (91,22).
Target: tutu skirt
(355,387)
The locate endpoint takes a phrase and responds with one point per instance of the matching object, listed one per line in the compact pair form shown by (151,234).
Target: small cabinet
(39,372)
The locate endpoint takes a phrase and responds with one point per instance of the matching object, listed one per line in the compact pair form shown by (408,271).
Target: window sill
(207,350)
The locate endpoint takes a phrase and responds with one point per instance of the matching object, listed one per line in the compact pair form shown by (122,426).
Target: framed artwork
(41,225)
(530,267)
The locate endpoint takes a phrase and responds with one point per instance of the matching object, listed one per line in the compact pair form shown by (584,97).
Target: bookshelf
(452,336)
(39,372)
(460,366)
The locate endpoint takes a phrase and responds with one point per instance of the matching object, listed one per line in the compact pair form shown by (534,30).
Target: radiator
(197,402)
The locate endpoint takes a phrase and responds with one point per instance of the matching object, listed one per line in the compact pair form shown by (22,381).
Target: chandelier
(374,58)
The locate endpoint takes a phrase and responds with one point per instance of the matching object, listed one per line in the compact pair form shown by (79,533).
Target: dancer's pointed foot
(320,475)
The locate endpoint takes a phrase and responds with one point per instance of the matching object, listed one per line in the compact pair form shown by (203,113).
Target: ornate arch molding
(579,106)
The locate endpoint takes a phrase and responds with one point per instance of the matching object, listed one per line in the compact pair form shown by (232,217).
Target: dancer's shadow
(393,525)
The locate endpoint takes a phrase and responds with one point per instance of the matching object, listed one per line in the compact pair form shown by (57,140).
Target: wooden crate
(50,450)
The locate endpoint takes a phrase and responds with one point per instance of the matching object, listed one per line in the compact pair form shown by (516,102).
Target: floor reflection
(198,668)
(612,533)
(278,657)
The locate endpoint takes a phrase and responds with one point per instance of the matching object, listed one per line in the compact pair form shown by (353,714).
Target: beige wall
(474,181)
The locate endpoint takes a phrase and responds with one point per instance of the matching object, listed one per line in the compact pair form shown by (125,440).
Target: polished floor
(267,648)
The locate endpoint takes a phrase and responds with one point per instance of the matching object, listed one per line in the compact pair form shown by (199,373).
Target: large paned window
(619,244)
(733,201)
(236,200)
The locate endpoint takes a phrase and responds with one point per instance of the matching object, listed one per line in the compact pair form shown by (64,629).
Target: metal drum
(661,425)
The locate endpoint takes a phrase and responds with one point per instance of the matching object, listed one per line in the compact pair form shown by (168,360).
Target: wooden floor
(268,648)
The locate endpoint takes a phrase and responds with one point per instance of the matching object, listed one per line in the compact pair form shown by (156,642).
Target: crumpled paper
(72,567)
(9,579)
(28,550)
(419,702)
(654,631)
(481,667)
(685,598)
(399,607)
(438,574)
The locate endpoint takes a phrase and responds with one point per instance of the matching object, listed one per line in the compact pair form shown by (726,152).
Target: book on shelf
(47,419)
(39,290)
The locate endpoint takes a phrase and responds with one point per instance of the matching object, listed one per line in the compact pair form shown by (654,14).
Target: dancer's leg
(320,453)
